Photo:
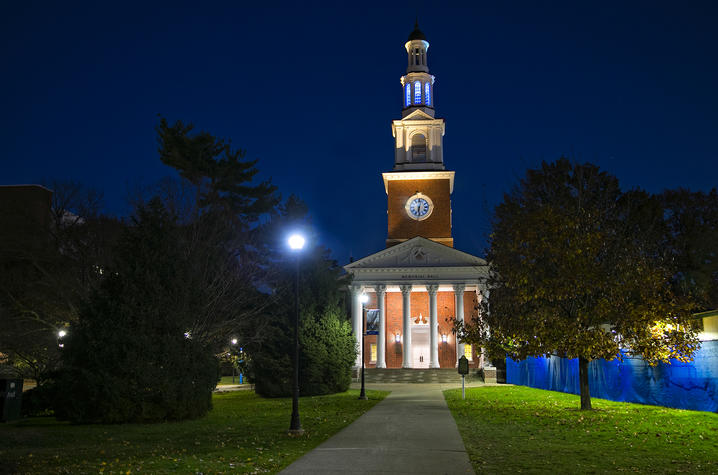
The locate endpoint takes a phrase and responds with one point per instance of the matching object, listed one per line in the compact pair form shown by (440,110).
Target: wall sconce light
(444,337)
(397,338)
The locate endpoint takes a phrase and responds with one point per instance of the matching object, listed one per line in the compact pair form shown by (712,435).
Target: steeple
(418,133)
(418,83)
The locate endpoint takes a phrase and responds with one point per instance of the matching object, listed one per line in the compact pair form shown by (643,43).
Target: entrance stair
(397,375)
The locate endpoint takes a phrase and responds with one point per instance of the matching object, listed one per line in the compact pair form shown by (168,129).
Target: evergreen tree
(132,356)
(225,217)
(327,347)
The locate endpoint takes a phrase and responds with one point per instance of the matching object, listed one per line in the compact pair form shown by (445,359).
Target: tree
(43,284)
(223,214)
(692,220)
(132,356)
(578,270)
(327,347)
(220,175)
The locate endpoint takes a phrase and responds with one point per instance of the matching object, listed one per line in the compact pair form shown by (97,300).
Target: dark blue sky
(311,89)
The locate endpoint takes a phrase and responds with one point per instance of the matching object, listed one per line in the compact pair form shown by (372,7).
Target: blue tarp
(691,385)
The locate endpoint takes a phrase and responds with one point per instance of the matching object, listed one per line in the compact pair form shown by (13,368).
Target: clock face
(419,207)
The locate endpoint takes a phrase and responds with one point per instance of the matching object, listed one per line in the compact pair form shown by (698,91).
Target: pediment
(418,115)
(417,252)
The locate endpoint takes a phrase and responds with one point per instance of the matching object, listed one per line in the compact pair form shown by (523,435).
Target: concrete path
(410,431)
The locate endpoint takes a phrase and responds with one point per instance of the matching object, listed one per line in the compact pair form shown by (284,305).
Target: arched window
(418,148)
(417,92)
(427,93)
(407,99)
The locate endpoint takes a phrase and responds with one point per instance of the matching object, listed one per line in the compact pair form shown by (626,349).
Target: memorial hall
(420,282)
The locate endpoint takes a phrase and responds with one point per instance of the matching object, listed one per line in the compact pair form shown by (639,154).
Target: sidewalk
(410,431)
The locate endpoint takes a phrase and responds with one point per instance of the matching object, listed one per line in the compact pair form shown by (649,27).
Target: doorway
(420,355)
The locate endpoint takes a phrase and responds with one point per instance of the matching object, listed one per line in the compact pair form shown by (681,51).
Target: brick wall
(437,225)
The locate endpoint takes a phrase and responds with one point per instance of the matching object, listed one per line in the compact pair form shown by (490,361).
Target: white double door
(420,354)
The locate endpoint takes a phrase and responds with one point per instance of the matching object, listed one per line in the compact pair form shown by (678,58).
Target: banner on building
(372,322)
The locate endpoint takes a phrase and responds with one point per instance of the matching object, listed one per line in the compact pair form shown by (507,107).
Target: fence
(691,385)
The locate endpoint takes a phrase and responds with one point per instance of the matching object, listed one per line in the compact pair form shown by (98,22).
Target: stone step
(391,375)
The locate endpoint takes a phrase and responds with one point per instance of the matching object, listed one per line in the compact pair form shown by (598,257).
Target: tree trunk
(583,383)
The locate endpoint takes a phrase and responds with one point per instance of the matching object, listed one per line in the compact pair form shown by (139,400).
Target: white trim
(427,175)
(440,249)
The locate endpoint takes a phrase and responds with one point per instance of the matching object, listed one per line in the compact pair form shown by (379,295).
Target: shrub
(38,401)
(327,352)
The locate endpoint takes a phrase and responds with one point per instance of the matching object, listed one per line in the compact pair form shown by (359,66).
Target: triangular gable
(418,114)
(417,252)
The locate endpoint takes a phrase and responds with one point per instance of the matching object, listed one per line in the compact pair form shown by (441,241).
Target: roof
(417,34)
(709,313)
(404,254)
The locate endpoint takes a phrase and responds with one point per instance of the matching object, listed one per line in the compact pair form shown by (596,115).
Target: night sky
(310,89)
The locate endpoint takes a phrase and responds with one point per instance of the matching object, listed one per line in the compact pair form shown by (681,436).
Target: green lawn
(510,429)
(242,434)
(228,380)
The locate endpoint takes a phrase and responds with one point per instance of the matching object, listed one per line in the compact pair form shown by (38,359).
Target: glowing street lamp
(233,341)
(296,243)
(363,299)
(60,335)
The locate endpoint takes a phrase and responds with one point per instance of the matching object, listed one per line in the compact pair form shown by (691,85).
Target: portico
(416,289)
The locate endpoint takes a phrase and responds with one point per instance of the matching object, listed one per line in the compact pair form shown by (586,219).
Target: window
(407,99)
(418,148)
(417,92)
(372,352)
(468,352)
(427,93)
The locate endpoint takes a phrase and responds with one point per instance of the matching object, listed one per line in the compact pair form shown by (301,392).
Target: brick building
(420,280)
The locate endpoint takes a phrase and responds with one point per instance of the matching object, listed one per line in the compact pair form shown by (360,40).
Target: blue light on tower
(417,92)
(427,93)
(407,100)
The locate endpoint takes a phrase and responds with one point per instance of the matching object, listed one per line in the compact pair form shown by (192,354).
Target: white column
(357,319)
(381,337)
(459,306)
(406,320)
(433,326)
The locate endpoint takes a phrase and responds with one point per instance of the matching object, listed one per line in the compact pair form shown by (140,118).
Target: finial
(417,34)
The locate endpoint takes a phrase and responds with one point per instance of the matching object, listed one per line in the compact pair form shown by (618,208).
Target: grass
(510,429)
(242,434)
(228,380)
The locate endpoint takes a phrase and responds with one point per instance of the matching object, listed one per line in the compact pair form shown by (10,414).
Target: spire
(418,133)
(417,34)
(418,84)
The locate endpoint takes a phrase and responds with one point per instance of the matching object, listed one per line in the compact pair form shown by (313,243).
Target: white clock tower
(419,283)
(418,134)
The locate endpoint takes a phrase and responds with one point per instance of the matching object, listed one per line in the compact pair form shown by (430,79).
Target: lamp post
(296,243)
(60,335)
(364,299)
(233,341)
